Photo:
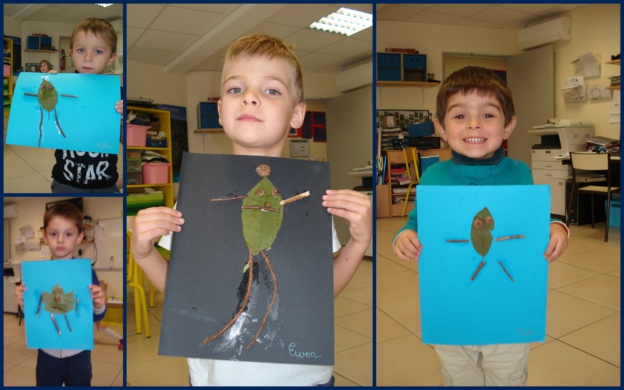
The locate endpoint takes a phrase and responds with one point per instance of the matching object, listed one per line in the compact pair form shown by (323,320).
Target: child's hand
(97,294)
(19,294)
(149,225)
(558,242)
(52,71)
(355,208)
(119,107)
(407,245)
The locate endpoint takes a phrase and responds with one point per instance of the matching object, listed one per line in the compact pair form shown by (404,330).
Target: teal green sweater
(460,170)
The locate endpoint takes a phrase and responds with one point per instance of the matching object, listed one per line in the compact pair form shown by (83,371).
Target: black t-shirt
(85,169)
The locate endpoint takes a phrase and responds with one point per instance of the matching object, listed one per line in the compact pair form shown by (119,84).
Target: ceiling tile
(153,39)
(132,34)
(301,15)
(186,20)
(464,10)
(348,48)
(308,39)
(427,16)
(272,29)
(152,56)
(142,15)
(501,15)
(396,12)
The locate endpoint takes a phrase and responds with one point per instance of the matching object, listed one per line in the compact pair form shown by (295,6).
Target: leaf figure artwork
(262,215)
(48,98)
(57,302)
(481,239)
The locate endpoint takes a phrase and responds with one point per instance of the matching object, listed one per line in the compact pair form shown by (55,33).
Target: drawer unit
(545,154)
(389,74)
(208,116)
(388,66)
(414,67)
(33,43)
(46,43)
(414,61)
(389,60)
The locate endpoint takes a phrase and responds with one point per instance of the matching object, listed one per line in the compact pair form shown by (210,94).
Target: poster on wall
(484,265)
(66,111)
(257,236)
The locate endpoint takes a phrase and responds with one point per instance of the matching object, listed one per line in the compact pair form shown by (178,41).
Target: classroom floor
(582,345)
(20,362)
(353,340)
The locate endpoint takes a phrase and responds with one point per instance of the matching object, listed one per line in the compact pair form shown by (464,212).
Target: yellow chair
(592,168)
(135,280)
(410,154)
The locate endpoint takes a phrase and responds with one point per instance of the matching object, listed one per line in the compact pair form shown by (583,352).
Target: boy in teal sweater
(475,113)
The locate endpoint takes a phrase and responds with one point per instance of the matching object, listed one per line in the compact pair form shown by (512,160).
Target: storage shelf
(208,131)
(164,118)
(150,185)
(614,62)
(146,148)
(40,51)
(419,84)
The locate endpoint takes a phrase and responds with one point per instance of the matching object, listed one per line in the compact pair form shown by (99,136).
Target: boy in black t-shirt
(93,47)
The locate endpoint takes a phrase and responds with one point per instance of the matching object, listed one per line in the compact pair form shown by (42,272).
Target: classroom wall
(349,142)
(595,28)
(30,212)
(434,40)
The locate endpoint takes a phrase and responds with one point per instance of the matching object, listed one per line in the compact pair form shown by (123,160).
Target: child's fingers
(160,220)
(554,250)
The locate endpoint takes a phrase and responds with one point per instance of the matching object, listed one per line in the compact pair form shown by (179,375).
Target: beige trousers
(484,365)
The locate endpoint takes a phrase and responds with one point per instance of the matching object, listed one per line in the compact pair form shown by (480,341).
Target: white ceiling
(503,16)
(62,13)
(186,37)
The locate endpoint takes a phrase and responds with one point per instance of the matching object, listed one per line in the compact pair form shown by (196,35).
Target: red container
(155,173)
(7,70)
(136,135)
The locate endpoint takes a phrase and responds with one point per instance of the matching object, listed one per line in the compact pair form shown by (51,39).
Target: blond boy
(261,99)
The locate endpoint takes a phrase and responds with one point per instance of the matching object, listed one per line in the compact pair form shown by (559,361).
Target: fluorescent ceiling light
(104,5)
(344,21)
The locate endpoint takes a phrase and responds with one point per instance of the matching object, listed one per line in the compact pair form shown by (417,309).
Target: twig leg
(243,306)
(58,124)
(270,305)
(40,124)
(478,270)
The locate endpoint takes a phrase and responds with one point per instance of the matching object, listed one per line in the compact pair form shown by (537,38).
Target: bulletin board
(108,243)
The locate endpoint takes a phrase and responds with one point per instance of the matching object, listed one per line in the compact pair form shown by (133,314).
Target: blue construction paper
(491,309)
(89,121)
(71,275)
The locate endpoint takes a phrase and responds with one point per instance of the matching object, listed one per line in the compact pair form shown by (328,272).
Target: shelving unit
(386,206)
(164,118)
(208,131)
(8,79)
(614,62)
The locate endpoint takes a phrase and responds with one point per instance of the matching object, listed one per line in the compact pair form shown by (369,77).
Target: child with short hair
(62,232)
(261,99)
(93,46)
(45,66)
(474,114)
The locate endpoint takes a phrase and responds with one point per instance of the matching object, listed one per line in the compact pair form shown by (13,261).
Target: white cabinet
(547,170)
